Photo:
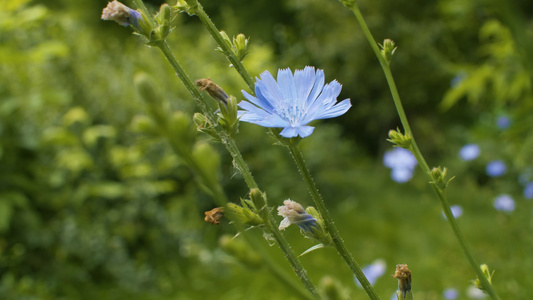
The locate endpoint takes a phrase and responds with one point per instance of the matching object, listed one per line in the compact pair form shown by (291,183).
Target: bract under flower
(293,101)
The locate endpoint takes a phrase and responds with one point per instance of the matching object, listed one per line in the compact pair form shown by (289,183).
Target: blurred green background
(92,207)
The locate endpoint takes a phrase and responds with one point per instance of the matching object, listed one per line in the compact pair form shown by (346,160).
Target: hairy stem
(416,151)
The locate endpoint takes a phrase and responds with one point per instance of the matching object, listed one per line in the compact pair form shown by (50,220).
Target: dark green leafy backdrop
(94,207)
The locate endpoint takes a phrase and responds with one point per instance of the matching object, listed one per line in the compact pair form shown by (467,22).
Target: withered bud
(404,279)
(212,89)
(213,216)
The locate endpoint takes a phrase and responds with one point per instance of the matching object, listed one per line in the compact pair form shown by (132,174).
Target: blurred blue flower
(503,122)
(469,152)
(294,213)
(373,271)
(504,203)
(293,101)
(402,162)
(450,294)
(496,168)
(528,191)
(120,13)
(457,211)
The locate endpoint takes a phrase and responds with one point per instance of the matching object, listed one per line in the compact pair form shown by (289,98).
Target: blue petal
(335,111)
(318,86)
(303,131)
(287,85)
(269,88)
(304,80)
(259,101)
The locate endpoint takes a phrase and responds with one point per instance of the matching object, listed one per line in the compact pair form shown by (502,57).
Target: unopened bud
(387,50)
(487,273)
(399,139)
(438,176)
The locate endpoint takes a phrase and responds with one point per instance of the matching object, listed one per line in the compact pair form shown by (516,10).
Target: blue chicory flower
(401,162)
(373,271)
(496,168)
(469,152)
(120,13)
(450,294)
(528,191)
(294,213)
(504,203)
(292,102)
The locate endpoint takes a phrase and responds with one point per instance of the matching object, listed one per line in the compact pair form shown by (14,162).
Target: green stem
(198,10)
(330,226)
(241,165)
(418,155)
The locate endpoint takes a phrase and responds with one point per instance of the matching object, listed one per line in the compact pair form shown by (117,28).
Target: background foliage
(92,207)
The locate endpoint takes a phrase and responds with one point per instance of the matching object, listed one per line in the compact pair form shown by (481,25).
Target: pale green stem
(416,151)
(197,9)
(231,146)
(328,222)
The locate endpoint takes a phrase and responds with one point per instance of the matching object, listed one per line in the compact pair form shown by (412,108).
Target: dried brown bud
(212,89)
(404,278)
(213,216)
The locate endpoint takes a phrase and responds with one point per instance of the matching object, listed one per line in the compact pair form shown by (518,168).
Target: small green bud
(144,125)
(208,160)
(203,125)
(228,116)
(487,273)
(76,115)
(400,139)
(387,50)
(243,214)
(438,176)
(240,46)
(259,201)
(332,289)
(241,251)
(181,128)
(164,17)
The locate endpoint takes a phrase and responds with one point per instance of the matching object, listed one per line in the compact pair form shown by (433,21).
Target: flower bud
(203,125)
(438,176)
(125,16)
(208,160)
(212,89)
(164,17)
(310,222)
(404,282)
(144,125)
(243,214)
(181,128)
(240,46)
(229,116)
(241,251)
(487,273)
(387,50)
(400,139)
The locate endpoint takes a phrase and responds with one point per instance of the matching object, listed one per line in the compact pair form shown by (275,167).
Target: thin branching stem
(418,155)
